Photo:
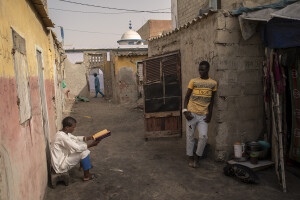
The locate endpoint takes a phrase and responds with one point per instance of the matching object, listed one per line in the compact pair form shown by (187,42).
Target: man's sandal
(91,177)
(194,164)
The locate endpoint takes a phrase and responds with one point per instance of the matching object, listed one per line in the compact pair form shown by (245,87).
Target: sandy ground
(128,167)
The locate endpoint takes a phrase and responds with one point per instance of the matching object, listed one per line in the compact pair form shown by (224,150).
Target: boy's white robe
(67,150)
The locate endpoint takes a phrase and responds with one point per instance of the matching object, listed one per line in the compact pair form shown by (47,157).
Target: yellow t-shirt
(201,95)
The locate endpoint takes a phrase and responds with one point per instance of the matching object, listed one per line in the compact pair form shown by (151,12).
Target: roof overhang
(40,7)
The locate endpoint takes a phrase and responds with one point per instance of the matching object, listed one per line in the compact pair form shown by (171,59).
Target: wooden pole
(277,129)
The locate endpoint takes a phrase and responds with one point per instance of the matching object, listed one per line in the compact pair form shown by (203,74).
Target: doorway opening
(99,73)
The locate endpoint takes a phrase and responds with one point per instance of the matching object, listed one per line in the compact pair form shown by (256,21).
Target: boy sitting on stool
(68,150)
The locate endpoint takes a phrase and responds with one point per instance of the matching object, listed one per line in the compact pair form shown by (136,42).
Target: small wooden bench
(55,178)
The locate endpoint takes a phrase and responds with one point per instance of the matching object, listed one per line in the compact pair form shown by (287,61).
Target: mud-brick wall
(76,80)
(237,67)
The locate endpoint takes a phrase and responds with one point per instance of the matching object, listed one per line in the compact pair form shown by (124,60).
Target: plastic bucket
(238,150)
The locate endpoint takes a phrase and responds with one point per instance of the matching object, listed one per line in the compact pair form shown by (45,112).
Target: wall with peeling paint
(125,78)
(236,65)
(58,57)
(23,166)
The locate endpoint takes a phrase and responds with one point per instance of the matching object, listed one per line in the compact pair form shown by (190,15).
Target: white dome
(131,35)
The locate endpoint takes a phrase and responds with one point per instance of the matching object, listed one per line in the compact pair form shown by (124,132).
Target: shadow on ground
(128,167)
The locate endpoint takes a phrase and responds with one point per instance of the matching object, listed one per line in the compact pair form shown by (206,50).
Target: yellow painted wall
(22,17)
(125,90)
(127,61)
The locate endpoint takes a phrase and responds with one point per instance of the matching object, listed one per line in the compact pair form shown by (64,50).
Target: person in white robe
(68,150)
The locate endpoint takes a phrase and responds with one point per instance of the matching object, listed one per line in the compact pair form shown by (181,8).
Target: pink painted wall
(50,95)
(25,143)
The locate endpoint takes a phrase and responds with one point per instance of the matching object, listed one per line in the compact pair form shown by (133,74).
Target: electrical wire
(78,11)
(90,31)
(122,9)
(89,12)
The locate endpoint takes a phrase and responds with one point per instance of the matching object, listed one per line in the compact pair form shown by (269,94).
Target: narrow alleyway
(128,167)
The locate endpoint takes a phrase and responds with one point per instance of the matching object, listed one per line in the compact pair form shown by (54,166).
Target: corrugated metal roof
(196,20)
(40,7)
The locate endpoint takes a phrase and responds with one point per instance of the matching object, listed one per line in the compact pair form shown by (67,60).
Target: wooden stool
(55,178)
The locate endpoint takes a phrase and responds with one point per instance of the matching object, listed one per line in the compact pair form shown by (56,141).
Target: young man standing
(198,107)
(97,86)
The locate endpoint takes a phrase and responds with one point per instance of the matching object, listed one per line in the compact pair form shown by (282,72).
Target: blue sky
(108,27)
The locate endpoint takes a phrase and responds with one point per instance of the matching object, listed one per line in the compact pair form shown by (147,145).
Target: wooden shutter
(162,89)
(21,76)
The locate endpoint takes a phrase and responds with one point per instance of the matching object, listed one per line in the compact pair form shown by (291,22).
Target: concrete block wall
(188,10)
(235,64)
(240,95)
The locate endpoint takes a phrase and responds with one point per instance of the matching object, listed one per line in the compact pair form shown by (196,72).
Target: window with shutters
(21,77)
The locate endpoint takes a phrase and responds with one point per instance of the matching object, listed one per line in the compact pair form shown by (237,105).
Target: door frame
(44,109)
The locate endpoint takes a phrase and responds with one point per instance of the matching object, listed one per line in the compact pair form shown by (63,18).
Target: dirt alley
(128,167)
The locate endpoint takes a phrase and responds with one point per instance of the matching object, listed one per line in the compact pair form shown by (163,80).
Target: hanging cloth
(279,76)
(294,75)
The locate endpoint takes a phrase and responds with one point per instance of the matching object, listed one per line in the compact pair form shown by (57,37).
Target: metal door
(162,95)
